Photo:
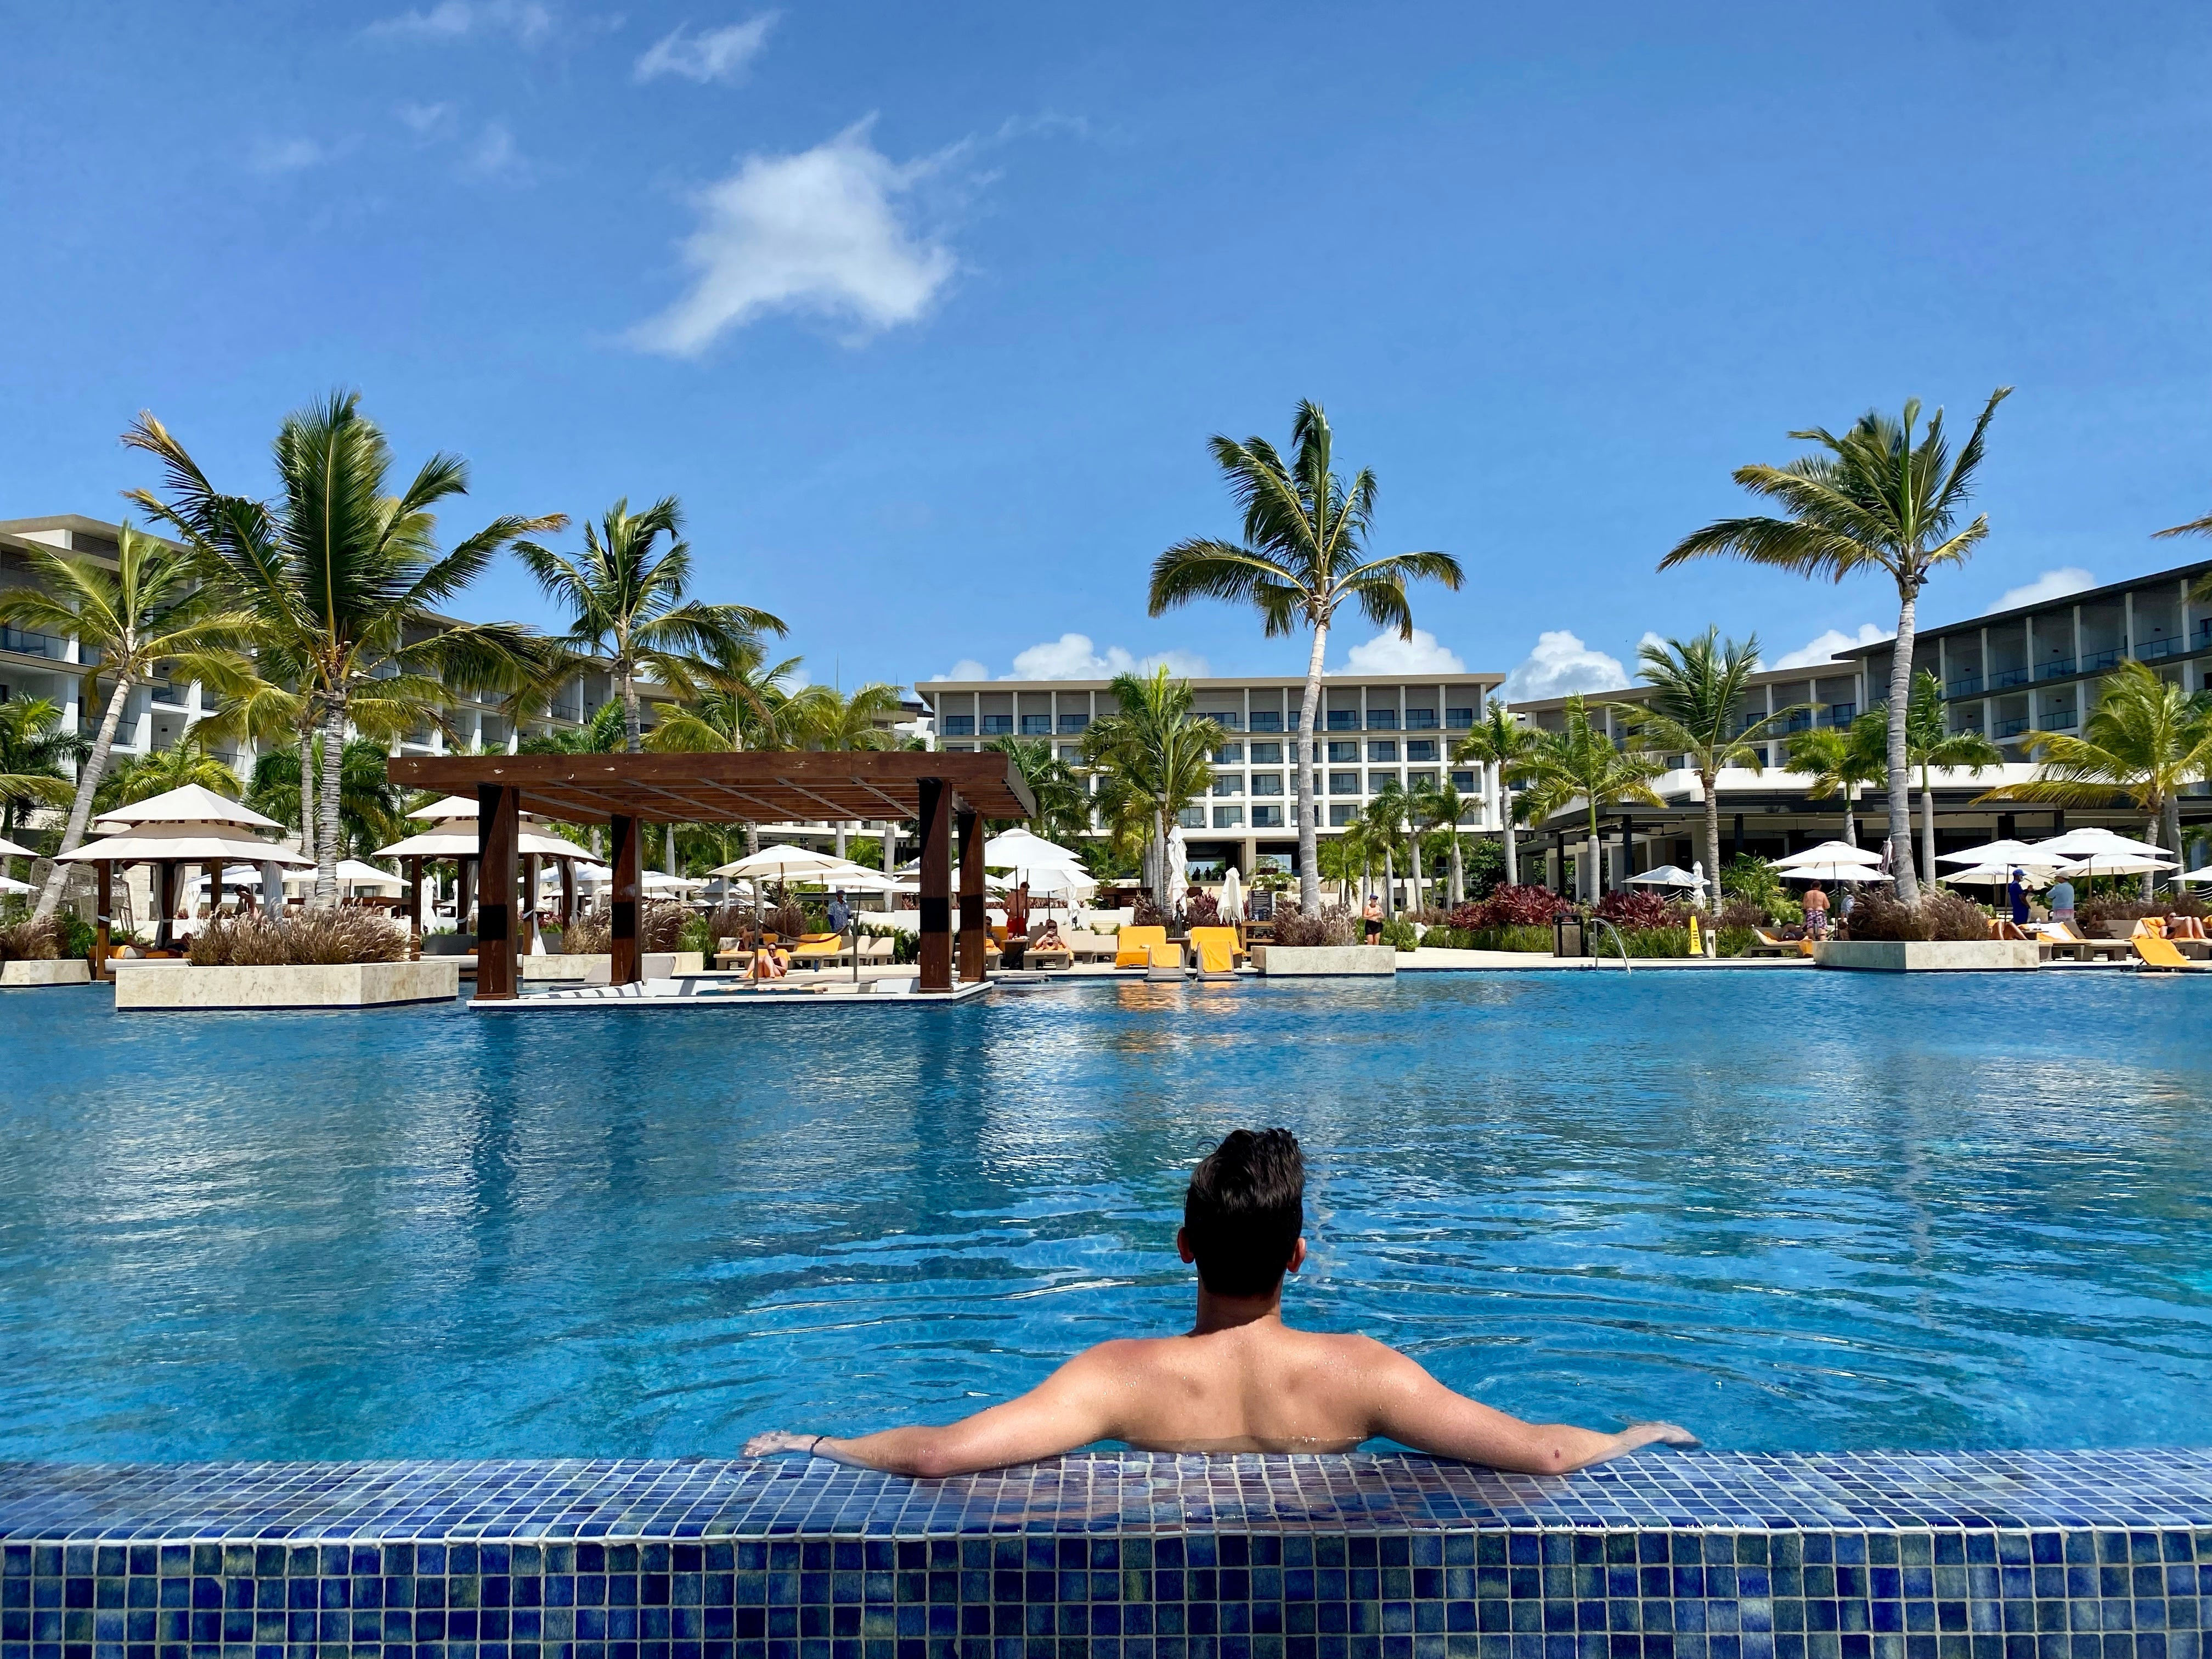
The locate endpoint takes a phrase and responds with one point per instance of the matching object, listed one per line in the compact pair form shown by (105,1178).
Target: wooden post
(935,953)
(498,815)
(975,919)
(100,946)
(165,886)
(567,896)
(628,967)
(414,910)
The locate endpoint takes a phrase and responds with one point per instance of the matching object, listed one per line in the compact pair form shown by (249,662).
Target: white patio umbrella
(352,873)
(783,863)
(1834,873)
(2098,851)
(1232,896)
(9,850)
(2205,874)
(9,885)
(1828,852)
(1669,875)
(1019,850)
(2006,851)
(2000,874)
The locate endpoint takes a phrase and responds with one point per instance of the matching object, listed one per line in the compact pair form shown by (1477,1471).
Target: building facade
(1374,730)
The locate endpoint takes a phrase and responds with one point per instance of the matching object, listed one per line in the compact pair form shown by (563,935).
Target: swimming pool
(1795,1211)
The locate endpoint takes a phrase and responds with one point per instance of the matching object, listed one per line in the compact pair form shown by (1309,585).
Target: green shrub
(697,933)
(1398,933)
(76,938)
(1734,941)
(1656,941)
(1535,941)
(1444,937)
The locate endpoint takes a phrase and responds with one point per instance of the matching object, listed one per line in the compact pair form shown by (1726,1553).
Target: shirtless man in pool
(1240,1380)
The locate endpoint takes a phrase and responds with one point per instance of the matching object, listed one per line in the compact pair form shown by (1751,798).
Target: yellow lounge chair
(1133,946)
(1163,962)
(1217,952)
(2156,951)
(821,951)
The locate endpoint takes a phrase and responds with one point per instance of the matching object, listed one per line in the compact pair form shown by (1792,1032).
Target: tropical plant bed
(1887,955)
(170,985)
(68,970)
(1324,961)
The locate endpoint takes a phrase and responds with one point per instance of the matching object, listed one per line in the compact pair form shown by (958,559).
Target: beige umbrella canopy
(9,849)
(189,805)
(183,843)
(1828,852)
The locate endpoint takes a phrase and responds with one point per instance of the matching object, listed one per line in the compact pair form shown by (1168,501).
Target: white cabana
(660,881)
(9,849)
(452,840)
(189,805)
(9,885)
(351,873)
(1828,852)
(446,811)
(1669,875)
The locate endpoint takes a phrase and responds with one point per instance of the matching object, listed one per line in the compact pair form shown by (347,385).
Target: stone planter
(63,970)
(595,969)
(1934,956)
(355,985)
(1324,961)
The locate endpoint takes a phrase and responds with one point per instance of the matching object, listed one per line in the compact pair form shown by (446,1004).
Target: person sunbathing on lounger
(1239,1380)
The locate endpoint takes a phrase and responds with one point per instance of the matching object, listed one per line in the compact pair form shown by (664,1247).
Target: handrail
(1620,943)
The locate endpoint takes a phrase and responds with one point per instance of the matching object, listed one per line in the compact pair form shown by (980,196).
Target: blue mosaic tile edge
(1107,1493)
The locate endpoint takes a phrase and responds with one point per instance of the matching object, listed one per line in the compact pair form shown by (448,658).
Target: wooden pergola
(945,793)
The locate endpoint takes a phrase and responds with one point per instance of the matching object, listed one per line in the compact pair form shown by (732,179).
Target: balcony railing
(2159,650)
(2095,660)
(2011,728)
(2059,720)
(1966,686)
(34,644)
(2005,677)
(2057,669)
(1840,714)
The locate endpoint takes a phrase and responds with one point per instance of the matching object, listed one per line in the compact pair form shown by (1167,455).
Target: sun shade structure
(1828,852)
(942,791)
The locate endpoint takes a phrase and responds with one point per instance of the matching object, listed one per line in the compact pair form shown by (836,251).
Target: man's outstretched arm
(1414,1409)
(1074,1406)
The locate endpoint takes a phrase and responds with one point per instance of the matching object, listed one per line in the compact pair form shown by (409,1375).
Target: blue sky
(926,313)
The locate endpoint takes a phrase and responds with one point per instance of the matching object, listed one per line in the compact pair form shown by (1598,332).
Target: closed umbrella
(1232,896)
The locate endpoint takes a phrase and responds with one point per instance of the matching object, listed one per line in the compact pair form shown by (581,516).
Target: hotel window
(1420,719)
(959,748)
(959,726)
(1420,749)
(1382,748)
(1381,720)
(1340,815)
(1266,719)
(1036,726)
(1420,781)
(998,726)
(1267,818)
(1267,754)
(1227,720)
(1229,754)
(1463,782)
(1192,817)
(1459,720)
(1344,720)
(1267,783)
(1380,779)
(1344,751)
(1229,817)
(1229,783)
(1344,783)
(1071,753)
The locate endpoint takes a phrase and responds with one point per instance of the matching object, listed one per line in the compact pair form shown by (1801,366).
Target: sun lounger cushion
(2156,951)
(1216,948)
(1133,947)
(1166,955)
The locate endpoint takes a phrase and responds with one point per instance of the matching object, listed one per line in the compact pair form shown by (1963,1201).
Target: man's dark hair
(1245,1210)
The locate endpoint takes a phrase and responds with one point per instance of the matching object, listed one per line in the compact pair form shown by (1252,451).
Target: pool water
(1790,1210)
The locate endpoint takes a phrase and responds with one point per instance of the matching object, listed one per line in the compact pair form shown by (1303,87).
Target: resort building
(1375,730)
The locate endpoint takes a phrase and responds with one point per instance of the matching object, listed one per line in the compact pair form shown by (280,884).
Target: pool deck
(2025,1555)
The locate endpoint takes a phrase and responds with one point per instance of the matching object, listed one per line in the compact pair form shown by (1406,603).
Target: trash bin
(1570,937)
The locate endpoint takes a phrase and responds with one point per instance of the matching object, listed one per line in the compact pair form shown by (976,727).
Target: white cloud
(1559,665)
(819,231)
(1819,650)
(527,20)
(495,155)
(2051,584)
(427,120)
(721,54)
(280,156)
(1386,654)
(1074,657)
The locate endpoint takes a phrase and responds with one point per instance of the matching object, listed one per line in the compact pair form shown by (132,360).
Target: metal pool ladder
(1620,943)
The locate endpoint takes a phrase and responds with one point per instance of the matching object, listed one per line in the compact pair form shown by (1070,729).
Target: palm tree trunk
(2170,816)
(326,815)
(1309,833)
(1389,881)
(1505,830)
(307,788)
(1927,827)
(1458,875)
(633,728)
(1595,848)
(1901,777)
(88,785)
(1850,815)
(1711,896)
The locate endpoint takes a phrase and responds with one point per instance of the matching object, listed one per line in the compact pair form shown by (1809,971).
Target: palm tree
(1155,756)
(149,610)
(371,807)
(1440,806)
(35,755)
(1928,746)
(841,724)
(602,734)
(1581,762)
(345,586)
(1391,810)
(185,761)
(1063,803)
(1879,498)
(1697,686)
(1842,763)
(1505,743)
(1301,559)
(1347,858)
(2146,740)
(626,603)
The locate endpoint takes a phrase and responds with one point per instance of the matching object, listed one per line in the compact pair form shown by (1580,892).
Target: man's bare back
(1239,1381)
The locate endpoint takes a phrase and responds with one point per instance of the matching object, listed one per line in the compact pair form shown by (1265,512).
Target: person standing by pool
(2016,890)
(2061,900)
(1816,911)
(839,915)
(1239,1380)
(1373,915)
